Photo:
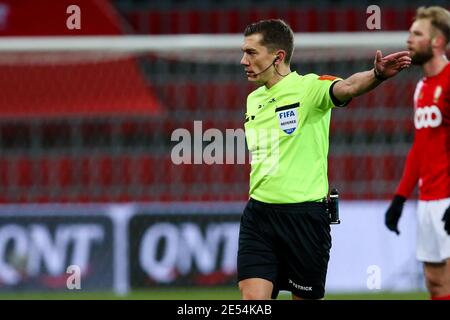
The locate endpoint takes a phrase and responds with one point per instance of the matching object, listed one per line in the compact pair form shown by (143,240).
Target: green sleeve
(321,92)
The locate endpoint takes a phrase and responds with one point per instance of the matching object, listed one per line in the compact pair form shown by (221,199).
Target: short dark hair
(276,34)
(439,18)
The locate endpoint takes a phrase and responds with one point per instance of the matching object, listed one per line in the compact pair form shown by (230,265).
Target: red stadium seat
(24,172)
(65,170)
(4,169)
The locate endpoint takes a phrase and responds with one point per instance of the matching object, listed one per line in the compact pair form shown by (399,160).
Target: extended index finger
(397,55)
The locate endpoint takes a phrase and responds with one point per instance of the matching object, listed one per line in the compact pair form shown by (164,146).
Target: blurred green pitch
(216,293)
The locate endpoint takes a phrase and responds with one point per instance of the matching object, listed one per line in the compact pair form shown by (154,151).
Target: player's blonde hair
(439,18)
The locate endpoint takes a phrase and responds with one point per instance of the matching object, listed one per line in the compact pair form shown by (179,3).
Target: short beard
(420,58)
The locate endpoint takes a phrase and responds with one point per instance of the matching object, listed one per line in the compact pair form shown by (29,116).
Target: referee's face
(256,59)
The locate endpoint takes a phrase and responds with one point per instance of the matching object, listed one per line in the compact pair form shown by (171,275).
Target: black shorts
(287,244)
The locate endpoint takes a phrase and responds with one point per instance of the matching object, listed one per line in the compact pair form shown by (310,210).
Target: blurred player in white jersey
(428,162)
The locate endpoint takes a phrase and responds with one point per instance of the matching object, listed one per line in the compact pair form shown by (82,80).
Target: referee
(284,237)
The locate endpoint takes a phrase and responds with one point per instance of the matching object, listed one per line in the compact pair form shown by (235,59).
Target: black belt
(300,205)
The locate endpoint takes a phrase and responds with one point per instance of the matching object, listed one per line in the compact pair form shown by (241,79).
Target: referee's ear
(280,56)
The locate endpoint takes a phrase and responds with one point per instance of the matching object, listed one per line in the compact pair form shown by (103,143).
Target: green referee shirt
(287,129)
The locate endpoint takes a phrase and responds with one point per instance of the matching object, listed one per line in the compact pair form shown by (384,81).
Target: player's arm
(410,175)
(407,183)
(362,82)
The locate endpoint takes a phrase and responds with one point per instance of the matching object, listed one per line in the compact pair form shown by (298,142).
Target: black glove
(446,219)
(394,212)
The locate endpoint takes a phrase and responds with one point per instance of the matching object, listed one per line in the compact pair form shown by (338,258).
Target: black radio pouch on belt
(333,207)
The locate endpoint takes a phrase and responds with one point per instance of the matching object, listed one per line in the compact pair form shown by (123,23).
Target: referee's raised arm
(362,82)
